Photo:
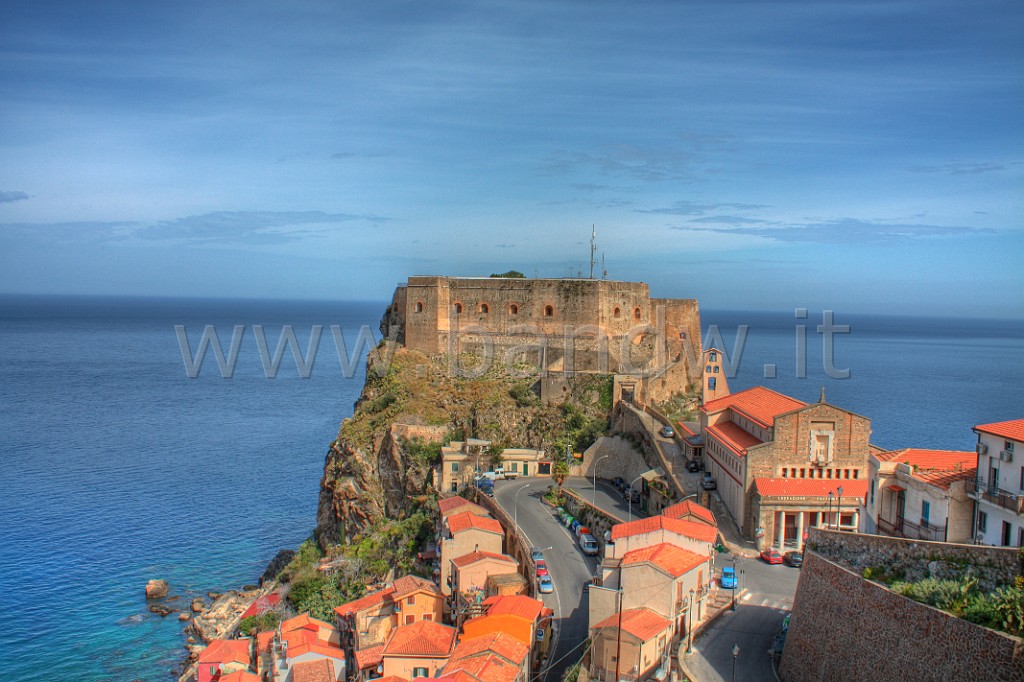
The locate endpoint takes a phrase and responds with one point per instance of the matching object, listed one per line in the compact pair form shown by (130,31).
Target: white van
(589,545)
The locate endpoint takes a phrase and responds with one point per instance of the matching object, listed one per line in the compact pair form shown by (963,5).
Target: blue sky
(856,156)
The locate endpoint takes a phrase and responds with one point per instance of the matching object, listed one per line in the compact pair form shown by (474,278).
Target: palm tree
(560,472)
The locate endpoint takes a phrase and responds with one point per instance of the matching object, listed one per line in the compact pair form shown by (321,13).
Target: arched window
(617,313)
(419,306)
(513,309)
(484,308)
(636,313)
(549,311)
(458,308)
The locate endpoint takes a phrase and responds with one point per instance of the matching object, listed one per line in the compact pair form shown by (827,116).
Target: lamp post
(593,498)
(839,509)
(735,655)
(735,584)
(828,519)
(515,507)
(629,514)
(689,630)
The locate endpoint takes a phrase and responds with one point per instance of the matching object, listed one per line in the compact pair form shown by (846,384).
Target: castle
(556,328)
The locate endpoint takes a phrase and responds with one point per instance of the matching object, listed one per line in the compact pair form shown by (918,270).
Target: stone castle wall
(846,628)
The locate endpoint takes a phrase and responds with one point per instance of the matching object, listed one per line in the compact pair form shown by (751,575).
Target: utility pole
(593,250)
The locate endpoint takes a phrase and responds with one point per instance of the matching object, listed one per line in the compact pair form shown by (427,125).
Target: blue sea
(119,467)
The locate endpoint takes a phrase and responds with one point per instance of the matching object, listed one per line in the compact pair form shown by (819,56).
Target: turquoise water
(119,468)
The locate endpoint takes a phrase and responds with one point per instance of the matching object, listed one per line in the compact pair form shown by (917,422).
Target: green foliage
(380,403)
(581,430)
(513,274)
(320,594)
(264,622)
(604,393)
(1008,604)
(392,543)
(305,560)
(1000,610)
(422,453)
(523,396)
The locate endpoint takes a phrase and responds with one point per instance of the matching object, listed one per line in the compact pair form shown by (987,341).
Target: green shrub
(523,396)
(261,623)
(421,452)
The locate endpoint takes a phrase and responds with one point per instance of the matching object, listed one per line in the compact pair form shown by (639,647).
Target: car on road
(668,432)
(537,554)
(771,556)
(794,559)
(693,466)
(486,486)
(545,585)
(589,545)
(728,580)
(618,483)
(631,494)
(542,568)
(708,483)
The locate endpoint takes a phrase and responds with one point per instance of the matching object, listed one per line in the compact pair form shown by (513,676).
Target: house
(693,440)
(463,461)
(690,511)
(416,599)
(304,639)
(244,676)
(318,670)
(455,504)
(494,657)
(696,536)
(921,494)
(369,662)
(664,578)
(764,449)
(630,645)
(999,486)
(518,616)
(470,571)
(221,657)
(463,533)
(505,584)
(418,650)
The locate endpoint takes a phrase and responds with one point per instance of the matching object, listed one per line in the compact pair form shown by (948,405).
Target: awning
(653,474)
(895,488)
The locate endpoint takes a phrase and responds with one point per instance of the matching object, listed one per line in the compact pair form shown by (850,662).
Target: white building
(999,487)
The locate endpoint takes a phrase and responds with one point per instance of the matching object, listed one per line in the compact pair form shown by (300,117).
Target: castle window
(856,474)
(617,313)
(636,313)
(458,308)
(484,308)
(711,383)
(716,369)
(712,356)
(549,311)
(513,309)
(419,306)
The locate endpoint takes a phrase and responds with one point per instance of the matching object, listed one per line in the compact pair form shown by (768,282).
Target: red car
(542,568)
(770,556)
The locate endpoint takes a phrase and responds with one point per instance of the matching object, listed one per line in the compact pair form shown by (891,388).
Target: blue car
(728,581)
(545,585)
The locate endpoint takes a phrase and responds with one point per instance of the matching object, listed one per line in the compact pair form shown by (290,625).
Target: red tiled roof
(672,559)
(686,508)
(424,638)
(264,640)
(390,678)
(810,487)
(488,668)
(304,621)
(372,599)
(517,605)
(369,657)
(733,436)
(262,605)
(500,643)
(684,429)
(473,557)
(1012,430)
(641,623)
(466,520)
(302,641)
(319,670)
(936,467)
(690,529)
(760,404)
(451,505)
(245,676)
(410,583)
(226,651)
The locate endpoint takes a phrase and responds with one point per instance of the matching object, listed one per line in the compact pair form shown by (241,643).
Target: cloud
(846,231)
(7,197)
(964,167)
(250,227)
(731,220)
(632,162)
(692,208)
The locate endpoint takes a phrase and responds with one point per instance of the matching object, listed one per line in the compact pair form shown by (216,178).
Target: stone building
(557,327)
(782,465)
(999,487)
(462,461)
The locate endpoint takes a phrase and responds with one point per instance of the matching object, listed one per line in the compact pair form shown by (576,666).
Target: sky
(854,156)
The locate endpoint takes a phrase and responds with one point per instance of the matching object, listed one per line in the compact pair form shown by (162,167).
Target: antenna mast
(593,250)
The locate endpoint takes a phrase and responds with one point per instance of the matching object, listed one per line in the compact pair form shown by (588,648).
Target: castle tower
(715,384)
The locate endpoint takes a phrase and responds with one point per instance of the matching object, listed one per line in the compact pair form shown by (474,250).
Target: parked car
(486,486)
(631,494)
(536,554)
(589,545)
(708,483)
(545,585)
(794,559)
(771,556)
(728,580)
(668,432)
(693,466)
(618,483)
(542,568)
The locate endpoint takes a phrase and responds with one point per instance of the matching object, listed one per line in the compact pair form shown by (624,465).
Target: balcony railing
(901,528)
(994,495)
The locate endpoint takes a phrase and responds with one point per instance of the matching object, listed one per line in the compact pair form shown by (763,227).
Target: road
(569,569)
(607,498)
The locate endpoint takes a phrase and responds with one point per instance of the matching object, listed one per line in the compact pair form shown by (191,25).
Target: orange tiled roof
(936,467)
(410,583)
(318,670)
(390,678)
(517,605)
(245,676)
(304,621)
(672,559)
(690,529)
(369,657)
(688,507)
(424,638)
(487,668)
(226,651)
(264,640)
(1012,430)
(466,520)
(641,623)
(509,623)
(760,404)
(500,643)
(304,641)
(451,505)
(473,557)
(733,436)
(372,599)
(810,487)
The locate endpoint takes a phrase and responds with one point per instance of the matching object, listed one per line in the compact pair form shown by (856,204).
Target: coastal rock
(174,598)
(250,588)
(156,589)
(198,605)
(184,615)
(277,564)
(221,618)
(161,609)
(213,595)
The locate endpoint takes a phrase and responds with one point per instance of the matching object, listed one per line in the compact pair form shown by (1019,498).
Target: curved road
(569,569)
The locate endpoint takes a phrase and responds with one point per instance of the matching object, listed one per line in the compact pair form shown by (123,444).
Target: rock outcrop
(156,589)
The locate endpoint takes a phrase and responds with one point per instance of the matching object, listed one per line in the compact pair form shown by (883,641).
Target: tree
(513,274)
(560,471)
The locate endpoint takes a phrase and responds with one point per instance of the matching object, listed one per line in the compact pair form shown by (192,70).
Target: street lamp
(735,583)
(839,509)
(515,507)
(593,498)
(689,630)
(629,514)
(828,519)
(735,655)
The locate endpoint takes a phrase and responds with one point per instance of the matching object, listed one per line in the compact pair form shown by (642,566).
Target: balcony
(901,528)
(1001,498)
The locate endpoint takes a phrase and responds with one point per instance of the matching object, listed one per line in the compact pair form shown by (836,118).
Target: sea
(127,457)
